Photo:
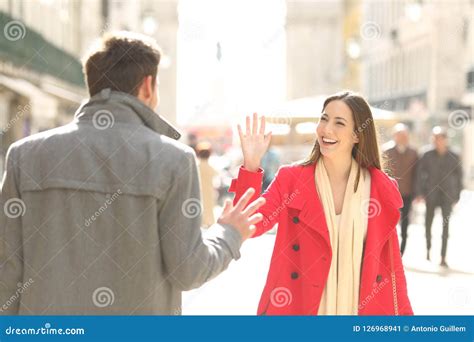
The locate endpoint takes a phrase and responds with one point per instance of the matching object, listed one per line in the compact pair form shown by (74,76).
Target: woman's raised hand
(254,142)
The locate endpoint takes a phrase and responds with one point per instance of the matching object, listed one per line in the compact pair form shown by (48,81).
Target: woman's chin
(327,152)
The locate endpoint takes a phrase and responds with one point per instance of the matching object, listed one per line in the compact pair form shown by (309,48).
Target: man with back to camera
(102,216)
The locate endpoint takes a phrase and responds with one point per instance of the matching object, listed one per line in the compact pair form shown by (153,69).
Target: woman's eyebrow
(337,117)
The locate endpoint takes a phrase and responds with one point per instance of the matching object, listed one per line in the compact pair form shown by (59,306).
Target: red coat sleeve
(270,210)
(404,306)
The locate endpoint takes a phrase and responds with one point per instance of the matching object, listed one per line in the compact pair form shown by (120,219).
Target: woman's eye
(340,123)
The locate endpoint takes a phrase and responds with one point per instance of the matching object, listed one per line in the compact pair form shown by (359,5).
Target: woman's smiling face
(335,130)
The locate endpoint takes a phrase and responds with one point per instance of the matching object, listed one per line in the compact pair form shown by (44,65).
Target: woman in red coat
(336,250)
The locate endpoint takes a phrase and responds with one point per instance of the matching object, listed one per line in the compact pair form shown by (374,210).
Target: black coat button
(296,219)
(294,275)
(379,278)
(296,247)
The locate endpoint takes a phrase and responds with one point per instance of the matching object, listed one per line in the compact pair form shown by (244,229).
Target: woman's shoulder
(295,170)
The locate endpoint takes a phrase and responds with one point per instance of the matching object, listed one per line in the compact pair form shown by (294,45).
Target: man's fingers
(252,230)
(244,199)
(227,206)
(253,207)
(254,219)
(247,125)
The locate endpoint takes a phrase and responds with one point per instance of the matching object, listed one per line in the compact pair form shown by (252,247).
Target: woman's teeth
(329,141)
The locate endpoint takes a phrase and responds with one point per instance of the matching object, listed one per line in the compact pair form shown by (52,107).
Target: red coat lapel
(385,200)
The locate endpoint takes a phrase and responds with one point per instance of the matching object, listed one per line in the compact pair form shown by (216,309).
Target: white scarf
(341,293)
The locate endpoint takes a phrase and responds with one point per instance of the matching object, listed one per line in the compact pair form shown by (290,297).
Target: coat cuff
(255,177)
(230,236)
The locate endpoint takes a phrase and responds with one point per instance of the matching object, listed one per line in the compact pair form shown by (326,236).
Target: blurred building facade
(314,47)
(42,43)
(418,60)
(41,82)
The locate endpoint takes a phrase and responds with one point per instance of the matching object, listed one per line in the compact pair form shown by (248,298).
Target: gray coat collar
(116,106)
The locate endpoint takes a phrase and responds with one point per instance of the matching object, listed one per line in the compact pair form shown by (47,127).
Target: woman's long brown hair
(366,151)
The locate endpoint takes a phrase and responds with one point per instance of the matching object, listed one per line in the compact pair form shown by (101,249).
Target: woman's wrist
(252,167)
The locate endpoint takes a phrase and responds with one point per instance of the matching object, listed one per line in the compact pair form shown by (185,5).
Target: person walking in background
(439,184)
(402,159)
(207,174)
(270,165)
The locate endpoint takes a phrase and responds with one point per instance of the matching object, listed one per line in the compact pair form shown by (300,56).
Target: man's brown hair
(120,63)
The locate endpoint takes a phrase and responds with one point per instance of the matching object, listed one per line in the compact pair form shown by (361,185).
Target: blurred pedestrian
(207,173)
(439,184)
(402,159)
(270,165)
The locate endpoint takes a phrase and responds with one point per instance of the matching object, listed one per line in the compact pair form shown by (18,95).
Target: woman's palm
(254,142)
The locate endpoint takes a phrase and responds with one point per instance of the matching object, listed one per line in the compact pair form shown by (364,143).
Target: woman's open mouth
(328,142)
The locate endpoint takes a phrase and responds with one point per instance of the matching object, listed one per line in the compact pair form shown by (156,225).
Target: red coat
(302,253)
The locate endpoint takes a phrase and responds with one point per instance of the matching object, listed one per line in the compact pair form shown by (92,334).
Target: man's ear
(148,83)
(145,90)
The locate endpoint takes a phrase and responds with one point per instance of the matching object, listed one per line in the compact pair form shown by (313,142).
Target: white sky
(251,73)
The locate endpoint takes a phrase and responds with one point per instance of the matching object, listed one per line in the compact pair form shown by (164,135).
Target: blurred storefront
(41,81)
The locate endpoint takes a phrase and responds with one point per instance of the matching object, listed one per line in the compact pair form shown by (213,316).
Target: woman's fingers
(255,124)
(247,125)
(268,137)
(241,134)
(252,127)
(262,125)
